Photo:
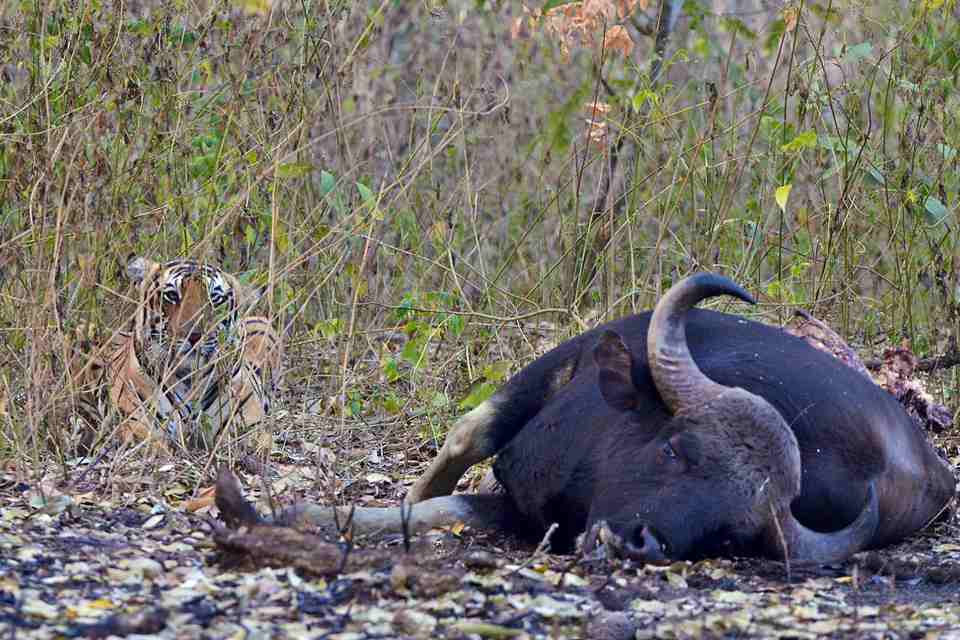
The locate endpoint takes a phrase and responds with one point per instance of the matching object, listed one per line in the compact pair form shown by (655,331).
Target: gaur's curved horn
(808,546)
(680,382)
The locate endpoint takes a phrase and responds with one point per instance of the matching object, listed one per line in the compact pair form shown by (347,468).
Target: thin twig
(541,548)
(782,538)
(406,511)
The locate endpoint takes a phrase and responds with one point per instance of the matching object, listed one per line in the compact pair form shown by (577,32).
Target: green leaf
(805,140)
(774,33)
(392,404)
(936,211)
(328,189)
(355,407)
(293,169)
(328,182)
(858,52)
(830,15)
(876,176)
(370,199)
(733,25)
(642,97)
(391,370)
(455,324)
(439,400)
(496,371)
(203,166)
(781,196)
(477,395)
(414,351)
(140,27)
(329,328)
(365,193)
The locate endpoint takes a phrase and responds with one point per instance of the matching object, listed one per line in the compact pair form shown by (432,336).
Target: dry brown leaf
(205,498)
(516,28)
(523,26)
(577,24)
(627,7)
(790,17)
(597,109)
(599,11)
(597,129)
(618,38)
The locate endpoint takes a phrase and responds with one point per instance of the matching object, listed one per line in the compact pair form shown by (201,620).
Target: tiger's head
(187,310)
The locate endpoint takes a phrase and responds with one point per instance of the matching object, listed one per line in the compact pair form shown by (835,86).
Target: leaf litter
(96,567)
(129,556)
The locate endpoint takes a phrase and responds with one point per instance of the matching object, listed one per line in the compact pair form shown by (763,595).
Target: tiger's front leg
(255,379)
(137,398)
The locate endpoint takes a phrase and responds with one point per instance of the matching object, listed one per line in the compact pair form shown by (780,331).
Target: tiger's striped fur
(193,363)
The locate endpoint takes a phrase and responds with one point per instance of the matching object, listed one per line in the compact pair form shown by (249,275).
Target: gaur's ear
(615,362)
(138,268)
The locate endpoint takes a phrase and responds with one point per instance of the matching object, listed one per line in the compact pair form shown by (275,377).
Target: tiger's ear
(138,268)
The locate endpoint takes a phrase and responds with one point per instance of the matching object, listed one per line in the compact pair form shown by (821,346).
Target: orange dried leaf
(598,11)
(790,17)
(618,38)
(627,7)
(516,28)
(596,131)
(205,498)
(529,17)
(198,503)
(596,108)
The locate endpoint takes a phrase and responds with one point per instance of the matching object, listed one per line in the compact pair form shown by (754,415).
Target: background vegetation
(427,194)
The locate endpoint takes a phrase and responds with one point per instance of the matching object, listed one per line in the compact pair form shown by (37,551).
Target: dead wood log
(249,540)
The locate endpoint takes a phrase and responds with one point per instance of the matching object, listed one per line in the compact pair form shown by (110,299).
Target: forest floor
(94,559)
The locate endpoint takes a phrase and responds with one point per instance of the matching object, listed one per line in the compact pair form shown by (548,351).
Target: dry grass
(418,190)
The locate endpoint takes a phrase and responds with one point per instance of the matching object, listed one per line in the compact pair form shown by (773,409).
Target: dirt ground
(95,561)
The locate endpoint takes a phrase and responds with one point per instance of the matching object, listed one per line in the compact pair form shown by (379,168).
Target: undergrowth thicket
(412,179)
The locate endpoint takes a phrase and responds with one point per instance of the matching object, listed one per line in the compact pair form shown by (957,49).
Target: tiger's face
(188,310)
(195,363)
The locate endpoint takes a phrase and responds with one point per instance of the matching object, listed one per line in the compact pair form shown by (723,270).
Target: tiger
(190,363)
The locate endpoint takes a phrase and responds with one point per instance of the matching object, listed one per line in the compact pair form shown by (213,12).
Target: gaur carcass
(684,433)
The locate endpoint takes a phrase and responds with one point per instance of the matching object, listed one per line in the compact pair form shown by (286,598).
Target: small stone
(414,623)
(400,576)
(480,561)
(611,625)
(146,567)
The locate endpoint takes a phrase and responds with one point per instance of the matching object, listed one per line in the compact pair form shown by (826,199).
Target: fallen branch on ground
(248,540)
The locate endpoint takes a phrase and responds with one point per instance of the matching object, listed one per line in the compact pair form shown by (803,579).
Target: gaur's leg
(485,512)
(478,511)
(489,427)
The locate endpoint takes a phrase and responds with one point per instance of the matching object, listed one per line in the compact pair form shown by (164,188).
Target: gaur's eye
(668,450)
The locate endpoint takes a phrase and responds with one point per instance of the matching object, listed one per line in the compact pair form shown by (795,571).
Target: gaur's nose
(645,546)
